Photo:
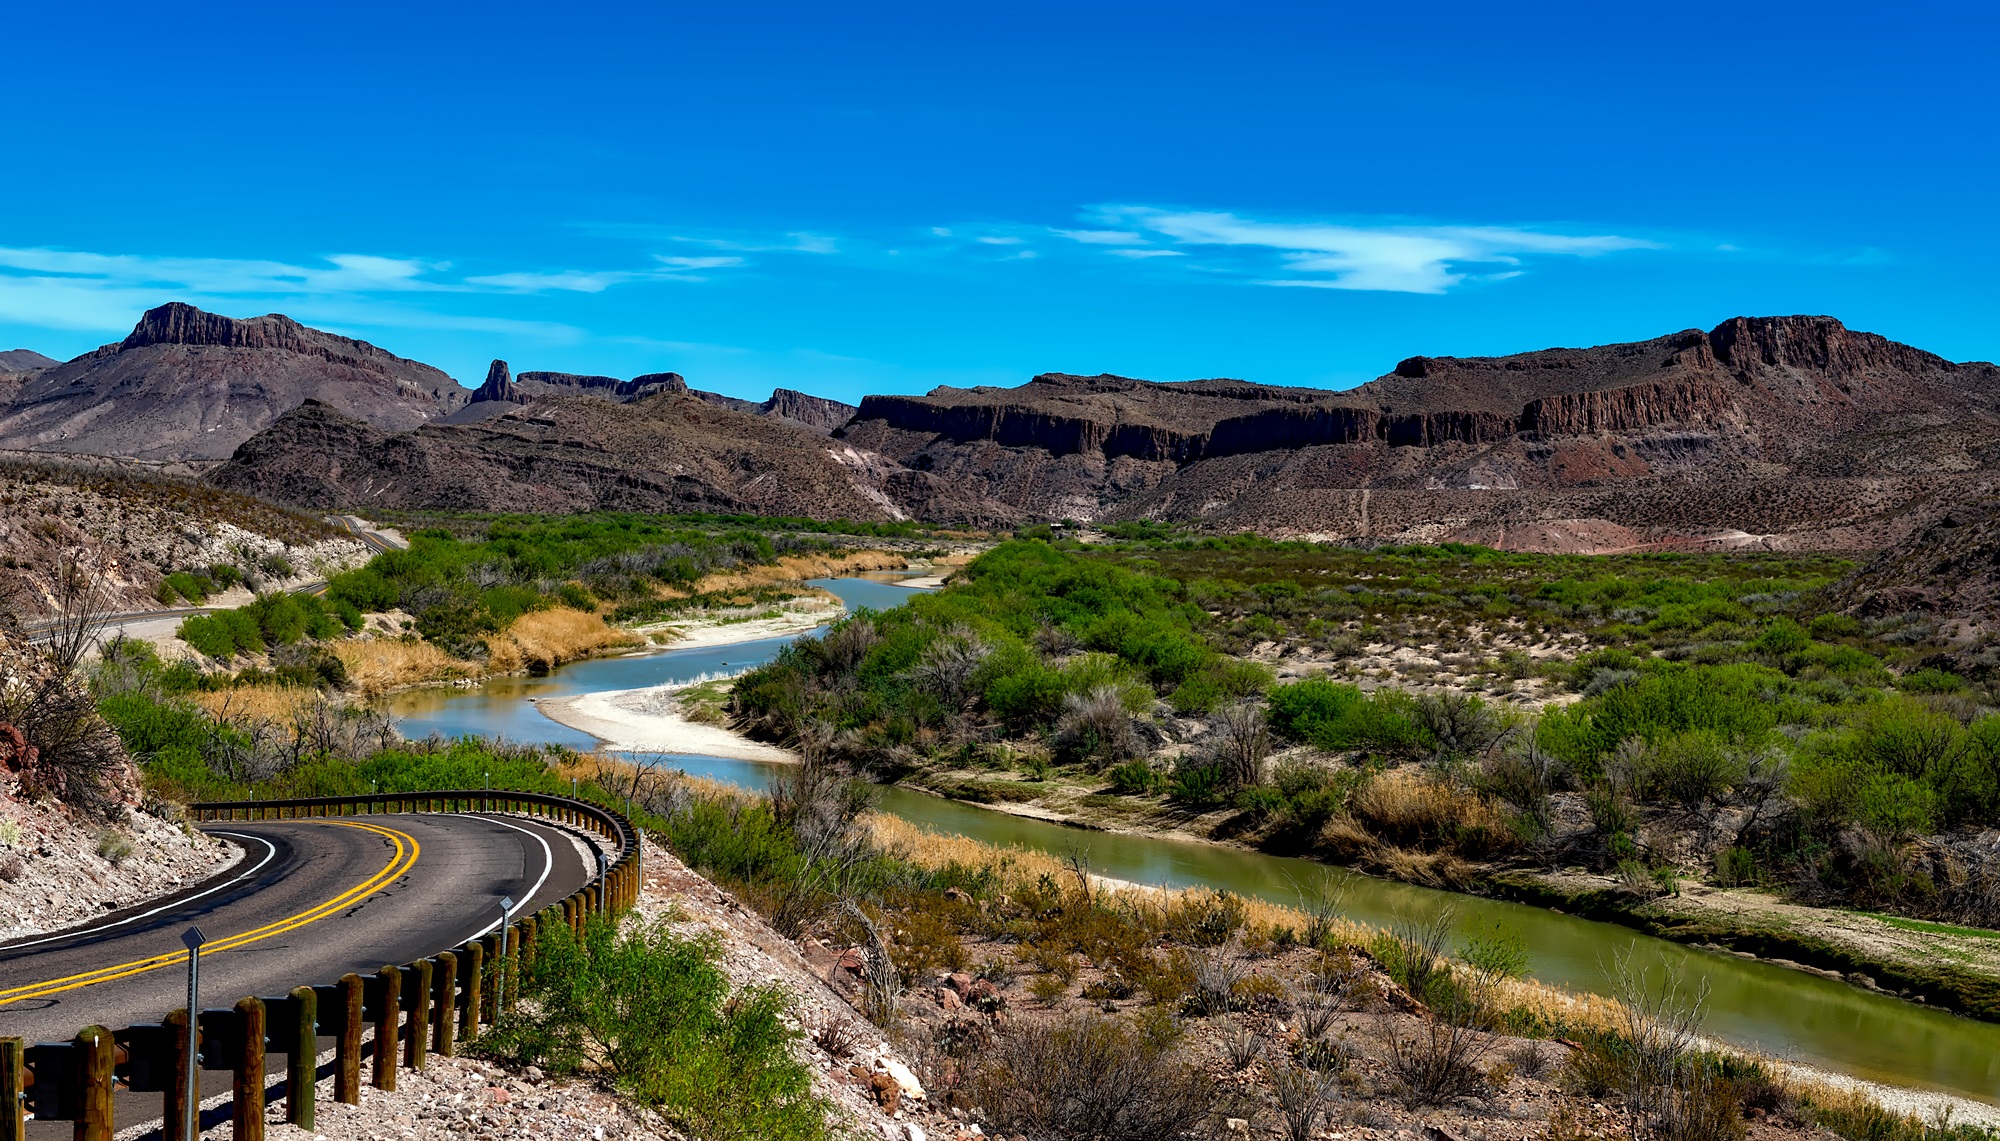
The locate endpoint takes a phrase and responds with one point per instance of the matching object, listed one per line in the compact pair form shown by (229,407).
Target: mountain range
(1781,432)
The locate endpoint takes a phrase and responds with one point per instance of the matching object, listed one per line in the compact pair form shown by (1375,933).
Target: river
(1785,1013)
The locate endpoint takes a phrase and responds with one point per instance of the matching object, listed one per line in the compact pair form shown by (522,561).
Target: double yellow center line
(404,859)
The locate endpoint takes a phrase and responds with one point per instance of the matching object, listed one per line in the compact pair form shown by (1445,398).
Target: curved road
(310,901)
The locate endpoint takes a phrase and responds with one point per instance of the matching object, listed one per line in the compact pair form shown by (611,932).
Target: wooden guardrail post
(302,1058)
(445,979)
(386,1017)
(493,948)
(530,929)
(347,1052)
(472,968)
(246,1112)
(179,1062)
(99,1054)
(418,990)
(13,1090)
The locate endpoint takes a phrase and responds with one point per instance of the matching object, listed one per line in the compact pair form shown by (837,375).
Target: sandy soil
(650,721)
(698,635)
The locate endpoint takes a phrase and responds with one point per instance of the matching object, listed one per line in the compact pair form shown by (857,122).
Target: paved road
(156,623)
(311,900)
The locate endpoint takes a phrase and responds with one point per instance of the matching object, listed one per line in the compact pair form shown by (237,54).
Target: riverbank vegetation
(1431,712)
(1031,997)
(504,594)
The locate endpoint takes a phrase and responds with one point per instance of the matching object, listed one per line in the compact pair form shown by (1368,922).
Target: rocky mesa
(192,385)
(1774,430)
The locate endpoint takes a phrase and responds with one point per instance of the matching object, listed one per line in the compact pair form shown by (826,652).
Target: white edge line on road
(270,851)
(548,866)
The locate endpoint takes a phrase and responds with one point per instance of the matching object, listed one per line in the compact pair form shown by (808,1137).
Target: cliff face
(1753,401)
(190,385)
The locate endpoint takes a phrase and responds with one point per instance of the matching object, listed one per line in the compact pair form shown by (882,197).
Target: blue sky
(884,198)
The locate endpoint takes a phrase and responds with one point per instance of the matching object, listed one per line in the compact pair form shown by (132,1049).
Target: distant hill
(668,451)
(814,413)
(1772,431)
(191,385)
(24,360)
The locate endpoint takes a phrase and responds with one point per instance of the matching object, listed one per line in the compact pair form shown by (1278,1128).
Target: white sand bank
(650,721)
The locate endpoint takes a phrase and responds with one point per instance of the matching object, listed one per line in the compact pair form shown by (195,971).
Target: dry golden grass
(798,568)
(548,638)
(378,664)
(1407,801)
(272,704)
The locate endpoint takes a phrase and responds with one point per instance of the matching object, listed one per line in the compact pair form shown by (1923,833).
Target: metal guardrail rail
(413,1009)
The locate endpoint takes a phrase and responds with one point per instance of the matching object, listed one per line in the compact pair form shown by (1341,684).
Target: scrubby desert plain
(1788,754)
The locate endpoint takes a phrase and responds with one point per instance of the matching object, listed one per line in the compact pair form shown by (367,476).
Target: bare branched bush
(1321,896)
(1243,1047)
(1214,977)
(1662,1074)
(1305,1097)
(839,1037)
(1095,726)
(1091,1079)
(1435,1058)
(1525,776)
(1413,952)
(1240,742)
(881,986)
(948,665)
(1530,1059)
(54,739)
(1316,1011)
(84,595)
(822,808)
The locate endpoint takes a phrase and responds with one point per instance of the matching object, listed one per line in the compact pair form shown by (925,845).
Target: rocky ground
(148,526)
(57,869)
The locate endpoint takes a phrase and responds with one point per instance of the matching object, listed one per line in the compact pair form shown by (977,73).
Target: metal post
(192,939)
(504,958)
(601,898)
(347,1053)
(13,1089)
(99,1052)
(446,980)
(247,1099)
(302,1059)
(386,1016)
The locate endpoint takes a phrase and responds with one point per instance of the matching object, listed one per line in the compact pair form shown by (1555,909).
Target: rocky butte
(191,385)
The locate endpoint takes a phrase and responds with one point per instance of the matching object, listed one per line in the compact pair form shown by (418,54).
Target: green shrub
(1134,776)
(1834,626)
(1930,681)
(653,1012)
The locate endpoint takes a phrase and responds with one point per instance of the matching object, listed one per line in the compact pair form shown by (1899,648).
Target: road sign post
(192,938)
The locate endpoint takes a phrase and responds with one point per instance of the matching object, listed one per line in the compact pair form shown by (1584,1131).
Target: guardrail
(412,1010)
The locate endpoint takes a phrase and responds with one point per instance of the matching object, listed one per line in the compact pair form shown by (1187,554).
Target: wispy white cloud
(999,240)
(1147,253)
(1383,256)
(84,290)
(1102,237)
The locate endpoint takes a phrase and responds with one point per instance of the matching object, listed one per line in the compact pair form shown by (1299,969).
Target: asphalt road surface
(310,901)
